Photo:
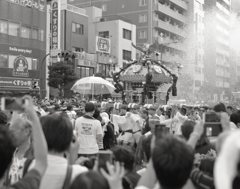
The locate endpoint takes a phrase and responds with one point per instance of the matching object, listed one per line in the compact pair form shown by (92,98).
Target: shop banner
(34,4)
(103,45)
(22,83)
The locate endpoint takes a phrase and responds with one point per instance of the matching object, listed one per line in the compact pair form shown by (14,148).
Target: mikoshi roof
(137,73)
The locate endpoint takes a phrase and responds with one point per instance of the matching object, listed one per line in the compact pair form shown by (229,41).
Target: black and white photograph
(119,94)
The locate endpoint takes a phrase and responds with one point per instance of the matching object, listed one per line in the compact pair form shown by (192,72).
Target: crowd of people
(56,144)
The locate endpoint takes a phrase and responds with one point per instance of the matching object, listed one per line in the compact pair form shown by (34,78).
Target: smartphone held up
(212,124)
(12,104)
(103,158)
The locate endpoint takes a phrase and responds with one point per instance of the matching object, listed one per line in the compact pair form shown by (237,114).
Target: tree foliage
(60,74)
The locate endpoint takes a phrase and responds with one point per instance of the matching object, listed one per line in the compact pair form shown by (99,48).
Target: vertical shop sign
(55,25)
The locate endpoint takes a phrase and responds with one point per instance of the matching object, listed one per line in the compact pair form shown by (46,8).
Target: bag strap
(26,166)
(67,180)
(130,185)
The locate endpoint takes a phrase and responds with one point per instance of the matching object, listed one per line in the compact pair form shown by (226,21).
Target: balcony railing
(168,11)
(178,46)
(167,57)
(222,8)
(171,28)
(180,3)
(222,52)
(168,42)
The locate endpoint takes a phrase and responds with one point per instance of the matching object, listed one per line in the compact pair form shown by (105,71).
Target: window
(41,35)
(78,28)
(127,55)
(104,69)
(25,32)
(73,27)
(142,3)
(142,18)
(34,64)
(13,29)
(77,49)
(3,61)
(3,27)
(84,72)
(142,34)
(127,34)
(104,34)
(34,33)
(104,7)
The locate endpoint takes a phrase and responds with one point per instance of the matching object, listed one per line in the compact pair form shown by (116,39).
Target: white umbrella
(93,85)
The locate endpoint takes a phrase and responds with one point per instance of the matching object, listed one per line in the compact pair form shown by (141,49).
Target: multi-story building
(217,46)
(158,20)
(22,46)
(195,43)
(75,38)
(74,28)
(235,50)
(118,31)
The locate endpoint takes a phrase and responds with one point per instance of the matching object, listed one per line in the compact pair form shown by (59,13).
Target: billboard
(103,45)
(17,83)
(34,4)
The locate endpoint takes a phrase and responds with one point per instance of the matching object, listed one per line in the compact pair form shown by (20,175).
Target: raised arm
(39,142)
(196,134)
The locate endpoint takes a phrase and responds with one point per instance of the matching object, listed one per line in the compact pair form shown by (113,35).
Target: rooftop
(114,17)
(73,9)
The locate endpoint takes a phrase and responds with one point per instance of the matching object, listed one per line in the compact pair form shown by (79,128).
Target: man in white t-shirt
(180,118)
(89,132)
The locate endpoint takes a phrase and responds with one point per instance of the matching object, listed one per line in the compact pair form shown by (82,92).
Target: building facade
(217,46)
(195,44)
(74,38)
(74,28)
(158,20)
(118,35)
(22,46)
(235,50)
(121,34)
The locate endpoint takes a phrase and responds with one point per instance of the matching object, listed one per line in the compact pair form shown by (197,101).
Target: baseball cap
(89,107)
